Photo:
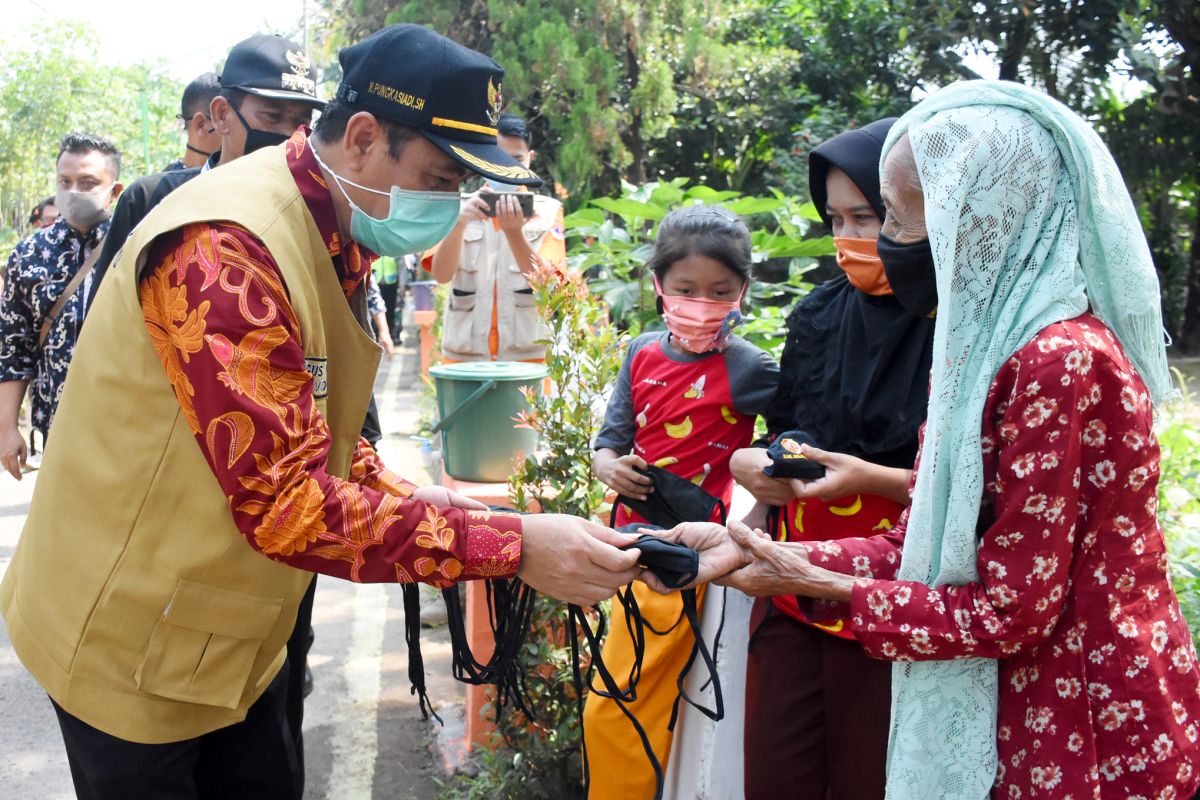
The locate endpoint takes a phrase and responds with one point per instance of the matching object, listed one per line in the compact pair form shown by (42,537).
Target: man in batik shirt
(40,270)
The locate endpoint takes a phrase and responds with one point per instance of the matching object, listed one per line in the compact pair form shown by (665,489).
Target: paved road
(364,737)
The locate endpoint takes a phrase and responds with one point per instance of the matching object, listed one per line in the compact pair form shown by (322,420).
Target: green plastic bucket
(478,403)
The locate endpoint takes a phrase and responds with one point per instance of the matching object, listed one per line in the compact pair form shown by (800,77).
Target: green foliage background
(735,93)
(57,81)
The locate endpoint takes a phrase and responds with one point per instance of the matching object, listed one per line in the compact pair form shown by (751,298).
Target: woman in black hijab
(854,380)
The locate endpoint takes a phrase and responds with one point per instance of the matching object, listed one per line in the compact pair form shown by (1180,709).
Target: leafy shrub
(1179,503)
(540,758)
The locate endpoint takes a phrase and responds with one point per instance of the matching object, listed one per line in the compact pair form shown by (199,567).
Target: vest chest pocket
(466,278)
(535,229)
(204,647)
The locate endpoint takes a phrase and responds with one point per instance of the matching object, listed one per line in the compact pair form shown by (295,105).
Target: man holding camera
(503,233)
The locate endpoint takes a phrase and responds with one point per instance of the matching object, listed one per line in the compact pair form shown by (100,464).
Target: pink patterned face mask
(697,323)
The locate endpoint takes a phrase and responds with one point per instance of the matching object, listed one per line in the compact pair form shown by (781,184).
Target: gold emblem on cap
(301,63)
(495,169)
(495,100)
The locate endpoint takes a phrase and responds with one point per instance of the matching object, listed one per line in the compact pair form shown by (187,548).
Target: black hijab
(855,367)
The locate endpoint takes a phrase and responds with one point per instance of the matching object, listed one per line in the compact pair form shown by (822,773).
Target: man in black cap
(267,89)
(166,551)
(202,137)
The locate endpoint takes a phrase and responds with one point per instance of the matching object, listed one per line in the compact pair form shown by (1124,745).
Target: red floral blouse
(1099,685)
(219,315)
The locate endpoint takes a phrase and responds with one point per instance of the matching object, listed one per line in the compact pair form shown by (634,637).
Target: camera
(524,198)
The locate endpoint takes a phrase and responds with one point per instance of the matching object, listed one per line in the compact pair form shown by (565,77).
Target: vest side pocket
(203,648)
(527,325)
(459,326)
(473,254)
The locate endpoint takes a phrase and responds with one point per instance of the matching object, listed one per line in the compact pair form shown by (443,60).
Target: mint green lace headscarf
(1029,221)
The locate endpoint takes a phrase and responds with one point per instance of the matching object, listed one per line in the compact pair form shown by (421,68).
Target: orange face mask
(860,261)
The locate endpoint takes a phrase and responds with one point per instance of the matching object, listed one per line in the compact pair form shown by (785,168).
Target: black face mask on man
(910,273)
(258,139)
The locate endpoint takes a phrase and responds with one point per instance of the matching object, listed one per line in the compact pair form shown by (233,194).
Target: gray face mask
(84,210)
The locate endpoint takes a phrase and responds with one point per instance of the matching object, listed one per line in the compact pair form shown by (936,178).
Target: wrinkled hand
(13,451)
(719,553)
(621,476)
(747,468)
(781,568)
(442,497)
(575,560)
(844,475)
(509,216)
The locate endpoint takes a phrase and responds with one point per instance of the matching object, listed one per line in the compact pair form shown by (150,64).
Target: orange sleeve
(553,247)
(427,257)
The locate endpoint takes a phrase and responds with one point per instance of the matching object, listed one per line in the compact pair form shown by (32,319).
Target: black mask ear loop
(675,565)
(411,594)
(700,647)
(510,609)
(212,128)
(577,621)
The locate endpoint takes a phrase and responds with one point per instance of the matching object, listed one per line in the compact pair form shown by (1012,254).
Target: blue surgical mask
(416,221)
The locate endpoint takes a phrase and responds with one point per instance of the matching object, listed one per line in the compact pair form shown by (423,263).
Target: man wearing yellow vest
(206,457)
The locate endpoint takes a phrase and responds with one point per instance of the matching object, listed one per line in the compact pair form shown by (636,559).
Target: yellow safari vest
(131,596)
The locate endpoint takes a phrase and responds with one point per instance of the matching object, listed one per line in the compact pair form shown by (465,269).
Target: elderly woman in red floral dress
(1025,598)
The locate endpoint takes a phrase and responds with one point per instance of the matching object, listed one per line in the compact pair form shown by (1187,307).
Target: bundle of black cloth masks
(675,565)
(511,603)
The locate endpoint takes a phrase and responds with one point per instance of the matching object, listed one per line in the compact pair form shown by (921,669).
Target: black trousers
(389,291)
(371,430)
(298,646)
(255,759)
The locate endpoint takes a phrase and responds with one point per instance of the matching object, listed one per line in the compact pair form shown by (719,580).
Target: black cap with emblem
(271,66)
(451,94)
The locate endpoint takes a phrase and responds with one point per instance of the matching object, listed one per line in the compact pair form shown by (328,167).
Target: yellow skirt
(617,764)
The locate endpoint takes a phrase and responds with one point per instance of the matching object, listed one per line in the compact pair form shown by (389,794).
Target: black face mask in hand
(257,139)
(674,500)
(910,273)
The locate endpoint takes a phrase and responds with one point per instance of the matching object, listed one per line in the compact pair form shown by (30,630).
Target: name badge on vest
(318,368)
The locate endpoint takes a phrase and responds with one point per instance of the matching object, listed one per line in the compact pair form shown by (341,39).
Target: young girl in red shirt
(686,398)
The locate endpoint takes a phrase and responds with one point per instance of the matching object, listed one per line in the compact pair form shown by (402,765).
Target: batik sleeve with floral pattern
(219,316)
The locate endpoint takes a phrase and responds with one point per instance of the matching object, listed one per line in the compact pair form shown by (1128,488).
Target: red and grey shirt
(685,412)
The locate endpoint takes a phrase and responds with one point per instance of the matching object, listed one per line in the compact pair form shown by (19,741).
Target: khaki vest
(487,261)
(131,596)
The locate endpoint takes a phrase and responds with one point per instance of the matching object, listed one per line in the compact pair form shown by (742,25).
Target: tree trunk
(1015,44)
(633,137)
